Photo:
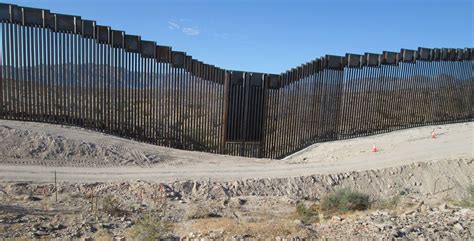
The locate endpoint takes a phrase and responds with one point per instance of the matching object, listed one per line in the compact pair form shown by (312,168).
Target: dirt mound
(74,150)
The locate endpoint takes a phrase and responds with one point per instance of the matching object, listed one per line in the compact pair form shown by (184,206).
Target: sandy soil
(418,187)
(32,151)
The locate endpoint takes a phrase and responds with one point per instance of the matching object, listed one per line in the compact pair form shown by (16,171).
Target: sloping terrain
(28,151)
(217,196)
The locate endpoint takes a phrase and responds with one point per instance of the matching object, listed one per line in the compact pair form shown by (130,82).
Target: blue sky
(273,36)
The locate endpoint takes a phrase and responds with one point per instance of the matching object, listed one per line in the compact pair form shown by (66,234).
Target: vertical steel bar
(3,79)
(7,70)
(17,76)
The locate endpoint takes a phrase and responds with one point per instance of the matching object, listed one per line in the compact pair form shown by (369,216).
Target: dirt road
(33,151)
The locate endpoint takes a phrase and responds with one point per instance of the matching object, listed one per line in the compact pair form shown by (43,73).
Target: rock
(419,204)
(242,201)
(465,212)
(407,229)
(458,226)
(444,208)
(336,218)
(40,233)
(451,222)
(128,223)
(31,198)
(298,222)
(396,233)
(409,212)
(107,225)
(92,229)
(59,227)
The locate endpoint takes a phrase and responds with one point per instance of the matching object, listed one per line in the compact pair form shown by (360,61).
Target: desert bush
(387,204)
(345,200)
(111,206)
(307,215)
(151,228)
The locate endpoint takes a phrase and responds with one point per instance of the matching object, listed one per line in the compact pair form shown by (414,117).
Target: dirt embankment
(259,208)
(31,151)
(217,196)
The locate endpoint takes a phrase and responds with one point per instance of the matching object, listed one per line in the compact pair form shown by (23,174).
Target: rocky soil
(112,188)
(428,206)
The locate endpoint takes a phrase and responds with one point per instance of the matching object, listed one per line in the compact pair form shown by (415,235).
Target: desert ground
(113,188)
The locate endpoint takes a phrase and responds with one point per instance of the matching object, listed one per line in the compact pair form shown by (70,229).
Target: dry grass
(264,228)
(103,235)
(150,228)
(257,221)
(307,214)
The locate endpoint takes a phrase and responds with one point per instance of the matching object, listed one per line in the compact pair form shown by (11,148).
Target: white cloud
(190,31)
(173,25)
(180,25)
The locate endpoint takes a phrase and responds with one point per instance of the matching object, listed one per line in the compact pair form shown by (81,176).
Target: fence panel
(63,69)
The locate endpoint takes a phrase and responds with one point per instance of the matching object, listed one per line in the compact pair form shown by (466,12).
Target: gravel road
(33,151)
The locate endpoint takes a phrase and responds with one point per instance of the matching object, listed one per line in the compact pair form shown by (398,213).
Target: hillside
(416,187)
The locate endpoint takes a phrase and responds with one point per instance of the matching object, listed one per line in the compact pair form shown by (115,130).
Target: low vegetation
(203,211)
(258,227)
(111,206)
(307,215)
(468,202)
(151,227)
(387,204)
(345,200)
(103,235)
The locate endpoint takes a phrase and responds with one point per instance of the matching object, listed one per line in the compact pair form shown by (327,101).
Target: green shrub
(307,215)
(151,228)
(345,200)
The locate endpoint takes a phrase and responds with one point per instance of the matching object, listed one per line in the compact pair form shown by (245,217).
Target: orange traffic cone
(374,149)
(433,134)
